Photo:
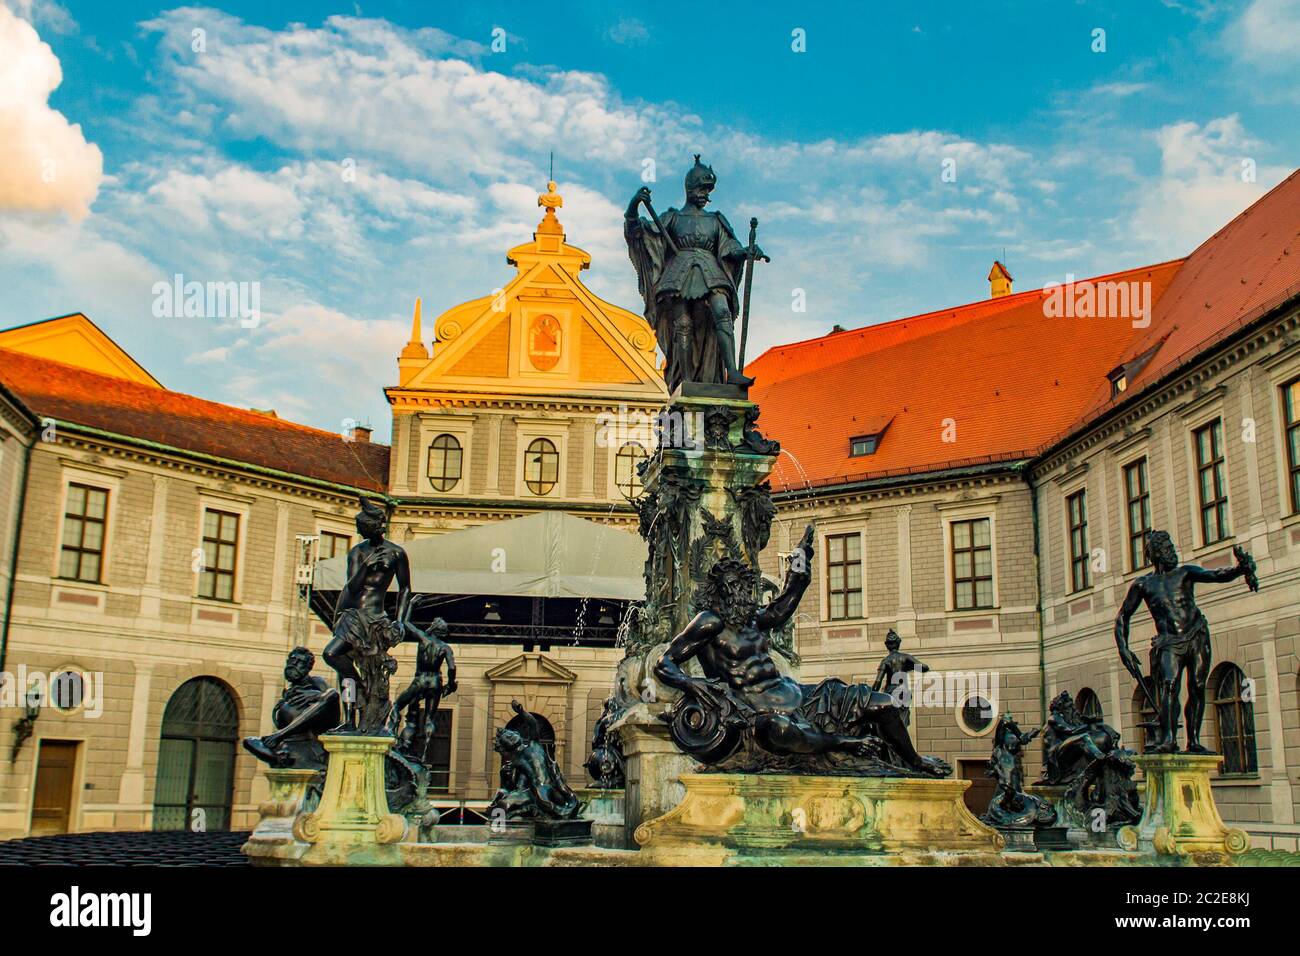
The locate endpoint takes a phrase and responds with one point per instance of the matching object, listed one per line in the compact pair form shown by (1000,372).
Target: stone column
(1280,787)
(151,592)
(906,624)
(654,768)
(492,468)
(130,789)
(353,825)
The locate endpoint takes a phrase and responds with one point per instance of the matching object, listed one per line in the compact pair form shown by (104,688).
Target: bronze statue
(363,631)
(1182,641)
(307,708)
(1083,754)
(891,675)
(422,696)
(532,786)
(688,266)
(832,727)
(1011,807)
(606,763)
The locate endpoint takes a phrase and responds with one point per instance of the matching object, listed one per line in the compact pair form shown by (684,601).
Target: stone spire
(414,355)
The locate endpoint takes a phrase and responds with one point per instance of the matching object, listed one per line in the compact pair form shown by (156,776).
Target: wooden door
(980,791)
(56,768)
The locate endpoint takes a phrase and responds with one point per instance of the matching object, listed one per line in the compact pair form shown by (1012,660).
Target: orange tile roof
(1011,380)
(75,395)
(999,372)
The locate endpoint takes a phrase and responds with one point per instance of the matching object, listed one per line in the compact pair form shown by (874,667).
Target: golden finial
(550,201)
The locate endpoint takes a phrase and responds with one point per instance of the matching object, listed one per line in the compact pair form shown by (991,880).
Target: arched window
(541,466)
(1088,704)
(196,758)
(626,476)
(1234,719)
(444,462)
(546,733)
(1147,717)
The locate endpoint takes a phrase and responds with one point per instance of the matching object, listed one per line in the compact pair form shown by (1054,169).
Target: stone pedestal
(778,814)
(1180,817)
(604,808)
(543,833)
(352,825)
(653,766)
(272,840)
(1019,839)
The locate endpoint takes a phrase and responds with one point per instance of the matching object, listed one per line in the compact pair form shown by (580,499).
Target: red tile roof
(1245,270)
(989,381)
(70,394)
(1009,380)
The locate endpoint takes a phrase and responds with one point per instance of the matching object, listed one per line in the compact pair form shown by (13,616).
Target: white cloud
(1201,185)
(46,165)
(1267,34)
(628,31)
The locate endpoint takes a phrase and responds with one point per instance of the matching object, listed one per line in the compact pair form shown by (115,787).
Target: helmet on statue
(700,175)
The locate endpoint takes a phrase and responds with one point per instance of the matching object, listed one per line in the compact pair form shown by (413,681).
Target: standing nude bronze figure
(363,631)
(1182,641)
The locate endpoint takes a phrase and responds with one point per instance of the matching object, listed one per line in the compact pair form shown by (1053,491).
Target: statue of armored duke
(689,265)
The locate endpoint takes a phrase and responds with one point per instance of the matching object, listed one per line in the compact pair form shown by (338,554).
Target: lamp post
(26,724)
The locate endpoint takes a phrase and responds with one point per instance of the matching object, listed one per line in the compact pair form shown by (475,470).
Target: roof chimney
(999,281)
(360,433)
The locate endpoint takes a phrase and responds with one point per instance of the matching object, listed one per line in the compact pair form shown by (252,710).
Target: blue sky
(225,163)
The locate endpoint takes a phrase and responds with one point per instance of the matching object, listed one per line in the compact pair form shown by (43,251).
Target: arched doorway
(1088,704)
(545,731)
(196,758)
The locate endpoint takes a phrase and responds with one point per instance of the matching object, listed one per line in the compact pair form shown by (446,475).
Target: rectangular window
(972,564)
(82,556)
(1210,483)
(1137,497)
(439,752)
(1291,417)
(220,542)
(1077,507)
(332,545)
(844,576)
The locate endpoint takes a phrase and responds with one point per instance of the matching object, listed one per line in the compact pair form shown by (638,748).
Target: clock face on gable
(544,342)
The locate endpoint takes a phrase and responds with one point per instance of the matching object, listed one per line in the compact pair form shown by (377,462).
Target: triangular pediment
(531,668)
(543,332)
(75,340)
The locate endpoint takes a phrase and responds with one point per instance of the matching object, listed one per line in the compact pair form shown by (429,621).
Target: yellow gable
(75,340)
(542,332)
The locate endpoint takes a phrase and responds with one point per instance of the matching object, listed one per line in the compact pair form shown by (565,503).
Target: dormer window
(863,445)
(1118,383)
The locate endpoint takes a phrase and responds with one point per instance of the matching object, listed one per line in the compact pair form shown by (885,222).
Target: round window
(976,715)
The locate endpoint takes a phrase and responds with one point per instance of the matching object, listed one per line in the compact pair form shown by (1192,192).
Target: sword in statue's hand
(752,252)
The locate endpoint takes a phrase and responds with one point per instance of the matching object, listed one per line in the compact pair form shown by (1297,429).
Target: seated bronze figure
(606,763)
(1084,755)
(307,708)
(1011,807)
(532,786)
(743,706)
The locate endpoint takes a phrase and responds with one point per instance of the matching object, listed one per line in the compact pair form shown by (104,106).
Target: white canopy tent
(550,554)
(527,580)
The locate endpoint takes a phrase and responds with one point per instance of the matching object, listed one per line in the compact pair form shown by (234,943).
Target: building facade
(977,476)
(987,491)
